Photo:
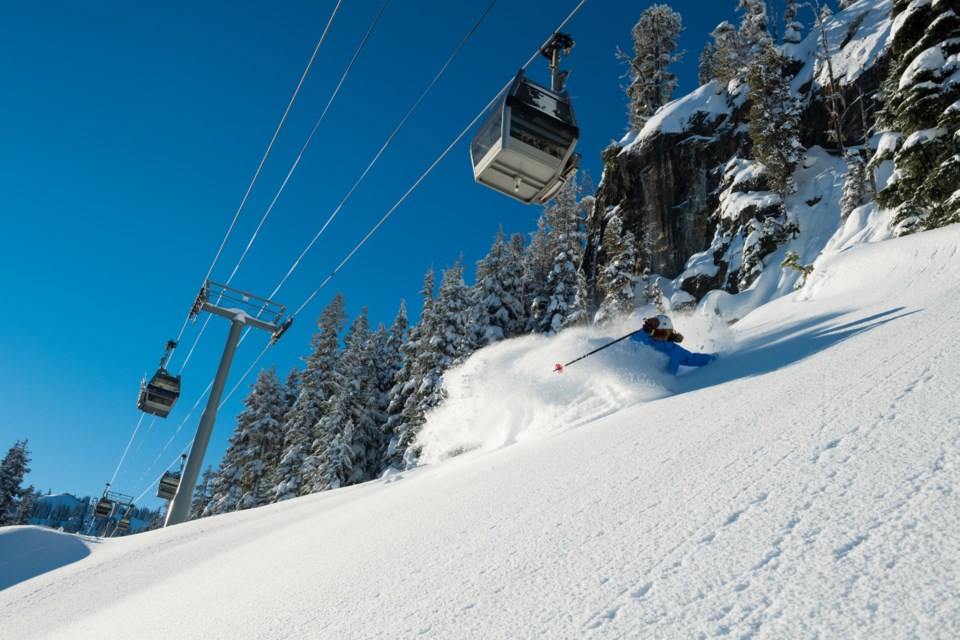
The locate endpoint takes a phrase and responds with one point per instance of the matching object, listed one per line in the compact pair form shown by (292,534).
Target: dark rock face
(666,188)
(666,192)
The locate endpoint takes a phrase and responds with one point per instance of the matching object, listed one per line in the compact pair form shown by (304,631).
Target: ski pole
(559,367)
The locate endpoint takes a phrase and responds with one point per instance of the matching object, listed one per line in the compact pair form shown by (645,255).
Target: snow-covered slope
(803,485)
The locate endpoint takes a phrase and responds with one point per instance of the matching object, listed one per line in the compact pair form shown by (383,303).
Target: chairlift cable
(392,209)
(429,170)
(266,154)
(289,173)
(276,134)
(194,345)
(555,31)
(123,457)
(363,175)
(384,147)
(309,140)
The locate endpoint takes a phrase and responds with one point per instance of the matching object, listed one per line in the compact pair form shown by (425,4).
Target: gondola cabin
(524,148)
(158,396)
(169,484)
(103,508)
(124,524)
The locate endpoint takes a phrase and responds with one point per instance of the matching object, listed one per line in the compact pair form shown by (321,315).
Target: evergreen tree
(348,438)
(440,345)
(391,362)
(564,283)
(618,280)
(497,297)
(537,265)
(774,120)
(202,494)
(836,106)
(25,506)
(707,70)
(12,470)
(291,388)
(793,28)
(655,46)
(728,60)
(735,48)
(251,459)
(656,294)
(403,422)
(319,381)
(921,103)
(389,367)
(856,183)
(754,33)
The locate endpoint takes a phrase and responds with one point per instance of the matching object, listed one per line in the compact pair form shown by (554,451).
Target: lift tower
(243,310)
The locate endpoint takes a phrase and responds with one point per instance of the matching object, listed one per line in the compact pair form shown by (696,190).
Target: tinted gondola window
(539,132)
(545,102)
(488,135)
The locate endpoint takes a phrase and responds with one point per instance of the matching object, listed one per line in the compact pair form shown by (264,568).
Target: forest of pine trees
(354,409)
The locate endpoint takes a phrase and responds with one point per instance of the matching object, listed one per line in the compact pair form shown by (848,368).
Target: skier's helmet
(663,328)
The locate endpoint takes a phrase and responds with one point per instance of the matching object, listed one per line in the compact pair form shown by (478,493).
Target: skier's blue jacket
(677,354)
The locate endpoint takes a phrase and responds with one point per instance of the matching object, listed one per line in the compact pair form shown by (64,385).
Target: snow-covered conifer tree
(707,70)
(655,46)
(754,31)
(537,264)
(774,119)
(836,106)
(291,388)
(497,297)
(728,61)
(922,104)
(398,430)
(793,28)
(441,334)
(563,221)
(855,184)
(347,445)
(12,470)
(735,48)
(201,494)
(618,280)
(389,349)
(318,382)
(251,459)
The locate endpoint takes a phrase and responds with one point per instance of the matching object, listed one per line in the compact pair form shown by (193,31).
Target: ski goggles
(661,334)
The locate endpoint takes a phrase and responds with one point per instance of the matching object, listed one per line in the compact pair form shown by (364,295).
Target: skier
(658,333)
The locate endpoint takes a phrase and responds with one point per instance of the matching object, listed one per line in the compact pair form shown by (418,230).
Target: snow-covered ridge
(858,36)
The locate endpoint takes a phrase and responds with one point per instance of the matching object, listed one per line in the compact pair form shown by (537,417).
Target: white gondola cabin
(524,148)
(169,484)
(158,396)
(103,508)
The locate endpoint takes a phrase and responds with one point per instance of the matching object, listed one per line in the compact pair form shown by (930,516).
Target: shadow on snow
(27,552)
(783,348)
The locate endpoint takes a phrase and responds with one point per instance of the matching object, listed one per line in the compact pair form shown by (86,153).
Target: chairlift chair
(524,148)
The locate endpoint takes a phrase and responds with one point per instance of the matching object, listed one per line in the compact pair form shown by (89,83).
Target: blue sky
(130,133)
